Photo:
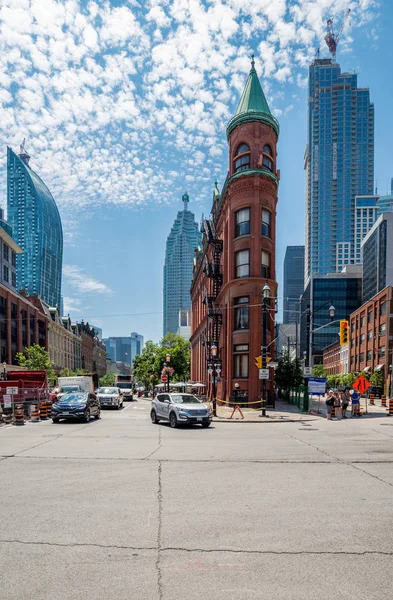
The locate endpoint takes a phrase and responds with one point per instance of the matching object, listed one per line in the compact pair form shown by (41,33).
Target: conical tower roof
(253,105)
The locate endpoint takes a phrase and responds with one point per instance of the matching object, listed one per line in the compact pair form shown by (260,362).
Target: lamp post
(265,298)
(213,352)
(4,371)
(168,360)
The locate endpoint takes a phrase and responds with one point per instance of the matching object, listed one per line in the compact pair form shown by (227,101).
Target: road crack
(158,447)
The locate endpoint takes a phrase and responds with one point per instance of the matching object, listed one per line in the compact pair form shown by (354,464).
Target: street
(121,508)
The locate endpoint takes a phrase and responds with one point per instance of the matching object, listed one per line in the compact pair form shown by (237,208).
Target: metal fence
(25,398)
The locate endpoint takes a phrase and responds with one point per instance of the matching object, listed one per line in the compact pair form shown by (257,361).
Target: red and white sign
(164,378)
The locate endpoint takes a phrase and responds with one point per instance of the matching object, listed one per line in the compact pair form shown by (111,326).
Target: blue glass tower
(36,225)
(339,163)
(183,239)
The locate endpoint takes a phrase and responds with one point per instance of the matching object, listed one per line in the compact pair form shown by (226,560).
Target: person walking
(344,402)
(337,404)
(329,401)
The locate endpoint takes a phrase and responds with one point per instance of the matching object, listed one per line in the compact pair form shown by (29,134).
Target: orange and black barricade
(19,414)
(383,400)
(43,410)
(35,413)
(390,408)
(372,398)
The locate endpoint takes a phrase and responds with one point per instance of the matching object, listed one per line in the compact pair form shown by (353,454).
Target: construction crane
(332,38)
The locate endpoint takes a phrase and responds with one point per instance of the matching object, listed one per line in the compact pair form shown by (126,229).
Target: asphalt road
(120,508)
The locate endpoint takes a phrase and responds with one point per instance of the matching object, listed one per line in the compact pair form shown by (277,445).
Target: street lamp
(213,353)
(168,360)
(265,299)
(332,312)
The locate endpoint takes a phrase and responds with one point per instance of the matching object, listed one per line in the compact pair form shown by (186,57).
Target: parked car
(180,408)
(110,396)
(76,405)
(376,390)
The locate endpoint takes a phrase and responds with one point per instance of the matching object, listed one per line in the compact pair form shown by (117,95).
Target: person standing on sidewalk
(337,404)
(345,402)
(355,407)
(329,401)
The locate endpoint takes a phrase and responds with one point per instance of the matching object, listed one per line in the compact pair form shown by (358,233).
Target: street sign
(273,365)
(263,373)
(361,384)
(164,378)
(317,385)
(12,390)
(307,371)
(7,401)
(210,371)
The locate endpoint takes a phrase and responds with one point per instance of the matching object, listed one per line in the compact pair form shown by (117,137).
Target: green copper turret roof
(253,105)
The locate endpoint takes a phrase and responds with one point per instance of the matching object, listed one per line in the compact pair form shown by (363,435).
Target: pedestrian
(344,402)
(329,401)
(337,404)
(355,407)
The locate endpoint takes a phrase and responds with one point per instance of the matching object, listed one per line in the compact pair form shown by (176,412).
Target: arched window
(268,157)
(242,158)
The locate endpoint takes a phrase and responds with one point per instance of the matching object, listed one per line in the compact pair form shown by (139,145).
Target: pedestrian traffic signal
(343,332)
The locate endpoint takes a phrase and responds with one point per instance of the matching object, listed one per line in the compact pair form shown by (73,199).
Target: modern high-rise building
(339,164)
(181,244)
(36,226)
(385,203)
(124,349)
(293,282)
(377,252)
(366,208)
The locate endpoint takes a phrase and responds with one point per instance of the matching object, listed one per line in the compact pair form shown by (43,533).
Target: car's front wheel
(154,418)
(87,415)
(172,420)
(206,424)
(55,420)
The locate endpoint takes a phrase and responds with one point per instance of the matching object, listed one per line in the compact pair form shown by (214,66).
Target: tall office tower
(36,226)
(124,349)
(339,164)
(293,282)
(181,243)
(366,208)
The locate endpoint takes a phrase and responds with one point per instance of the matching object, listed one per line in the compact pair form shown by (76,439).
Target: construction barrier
(333,411)
(372,398)
(19,414)
(44,410)
(390,409)
(35,413)
(235,408)
(383,401)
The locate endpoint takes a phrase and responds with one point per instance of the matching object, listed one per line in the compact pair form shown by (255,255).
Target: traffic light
(258,362)
(343,332)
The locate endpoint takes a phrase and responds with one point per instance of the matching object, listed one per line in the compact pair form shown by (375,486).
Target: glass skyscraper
(293,282)
(124,349)
(181,243)
(339,163)
(36,225)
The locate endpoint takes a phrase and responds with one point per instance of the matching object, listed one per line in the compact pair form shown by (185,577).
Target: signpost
(317,386)
(263,373)
(307,371)
(7,401)
(11,391)
(164,378)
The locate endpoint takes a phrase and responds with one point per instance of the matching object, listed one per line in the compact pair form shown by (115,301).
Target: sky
(124,105)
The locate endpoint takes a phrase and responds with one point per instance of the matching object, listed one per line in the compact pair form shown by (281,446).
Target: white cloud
(112,98)
(82,283)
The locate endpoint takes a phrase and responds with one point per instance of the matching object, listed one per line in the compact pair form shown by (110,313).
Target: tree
(180,351)
(107,380)
(378,379)
(319,371)
(348,379)
(67,373)
(147,364)
(36,358)
(288,373)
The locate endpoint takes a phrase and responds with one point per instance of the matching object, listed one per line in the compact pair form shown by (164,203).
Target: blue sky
(124,105)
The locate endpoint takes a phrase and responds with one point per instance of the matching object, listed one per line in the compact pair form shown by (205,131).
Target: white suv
(180,408)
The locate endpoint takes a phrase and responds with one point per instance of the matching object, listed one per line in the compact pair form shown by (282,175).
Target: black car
(376,390)
(76,405)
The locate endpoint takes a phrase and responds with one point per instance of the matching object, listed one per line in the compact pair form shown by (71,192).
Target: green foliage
(108,380)
(333,381)
(319,371)
(36,358)
(348,379)
(378,379)
(365,374)
(149,364)
(67,373)
(288,374)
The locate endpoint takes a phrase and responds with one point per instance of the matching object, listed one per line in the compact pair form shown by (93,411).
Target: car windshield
(107,391)
(185,399)
(69,388)
(124,386)
(74,398)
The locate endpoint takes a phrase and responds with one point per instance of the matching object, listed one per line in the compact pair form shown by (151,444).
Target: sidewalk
(283,413)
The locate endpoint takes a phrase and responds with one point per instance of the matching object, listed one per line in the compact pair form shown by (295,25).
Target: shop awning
(379,367)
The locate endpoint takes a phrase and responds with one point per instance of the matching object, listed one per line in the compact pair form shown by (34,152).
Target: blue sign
(317,385)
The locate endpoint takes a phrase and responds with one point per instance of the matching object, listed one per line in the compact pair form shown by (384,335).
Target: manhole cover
(311,429)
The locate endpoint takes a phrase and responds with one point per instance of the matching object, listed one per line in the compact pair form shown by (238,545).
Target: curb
(262,420)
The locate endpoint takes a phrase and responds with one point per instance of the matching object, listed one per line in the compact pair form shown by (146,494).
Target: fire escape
(212,270)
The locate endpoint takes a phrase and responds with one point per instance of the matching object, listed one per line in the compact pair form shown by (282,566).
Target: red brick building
(238,253)
(371,335)
(332,359)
